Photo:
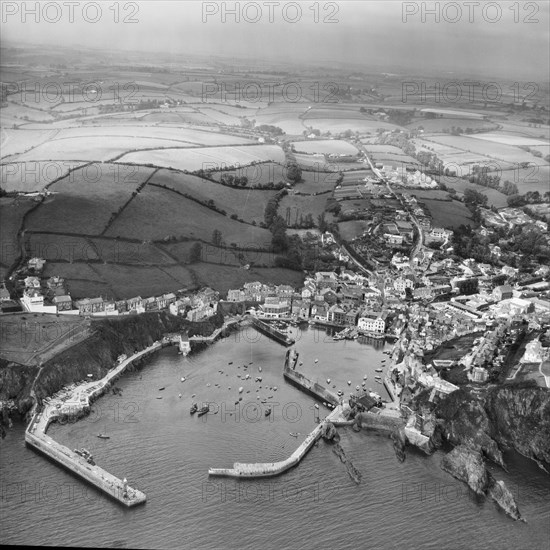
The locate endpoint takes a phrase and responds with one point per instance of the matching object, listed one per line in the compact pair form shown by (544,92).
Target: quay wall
(311,388)
(273,333)
(378,421)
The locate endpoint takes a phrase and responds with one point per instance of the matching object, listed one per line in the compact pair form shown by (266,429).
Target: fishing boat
(159,397)
(230,363)
(293,434)
(378,370)
(194,408)
(160,389)
(267,412)
(203,410)
(103,436)
(357,388)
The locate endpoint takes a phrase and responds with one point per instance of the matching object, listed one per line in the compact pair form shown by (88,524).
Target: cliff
(95,355)
(501,417)
(468,465)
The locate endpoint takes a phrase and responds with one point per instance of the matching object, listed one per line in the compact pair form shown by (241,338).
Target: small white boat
(241,389)
(183,379)
(179,395)
(365,377)
(357,388)
(317,406)
(274,388)
(349,382)
(328,380)
(316,360)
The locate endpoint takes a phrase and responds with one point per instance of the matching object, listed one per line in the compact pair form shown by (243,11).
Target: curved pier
(78,402)
(267,469)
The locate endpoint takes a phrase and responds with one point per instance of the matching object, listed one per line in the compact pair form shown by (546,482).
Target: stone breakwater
(77,402)
(267,469)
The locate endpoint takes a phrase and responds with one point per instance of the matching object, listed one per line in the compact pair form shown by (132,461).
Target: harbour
(176,450)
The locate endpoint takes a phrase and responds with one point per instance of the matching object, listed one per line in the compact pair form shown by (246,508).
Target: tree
(293,172)
(217,237)
(195,253)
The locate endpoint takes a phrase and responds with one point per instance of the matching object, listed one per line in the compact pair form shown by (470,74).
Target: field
(316,182)
(220,255)
(86,199)
(350,230)
(16,141)
(206,158)
(258,174)
(293,207)
(495,197)
(93,148)
(440,124)
(27,177)
(247,204)
(328,146)
(146,281)
(157,213)
(11,214)
(447,214)
(499,152)
(224,278)
(33,338)
(535,178)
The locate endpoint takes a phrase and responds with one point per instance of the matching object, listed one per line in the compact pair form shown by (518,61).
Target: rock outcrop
(467,465)
(504,498)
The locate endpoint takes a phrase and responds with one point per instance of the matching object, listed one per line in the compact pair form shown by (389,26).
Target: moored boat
(194,408)
(203,410)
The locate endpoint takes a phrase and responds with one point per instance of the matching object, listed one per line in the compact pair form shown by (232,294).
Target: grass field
(327,146)
(316,182)
(33,338)
(220,254)
(92,148)
(224,278)
(11,214)
(127,281)
(257,174)
(247,204)
(447,214)
(16,141)
(206,158)
(496,198)
(30,176)
(293,207)
(82,204)
(350,230)
(156,213)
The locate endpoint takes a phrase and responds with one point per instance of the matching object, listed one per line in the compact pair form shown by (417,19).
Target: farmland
(206,158)
(225,277)
(447,214)
(258,175)
(157,213)
(335,147)
(12,212)
(247,204)
(86,199)
(27,177)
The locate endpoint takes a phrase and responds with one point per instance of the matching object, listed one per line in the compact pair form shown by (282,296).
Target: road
(419,246)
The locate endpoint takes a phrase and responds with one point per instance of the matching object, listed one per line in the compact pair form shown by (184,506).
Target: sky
(501,39)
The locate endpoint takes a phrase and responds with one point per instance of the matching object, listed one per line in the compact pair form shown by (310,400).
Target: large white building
(372,322)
